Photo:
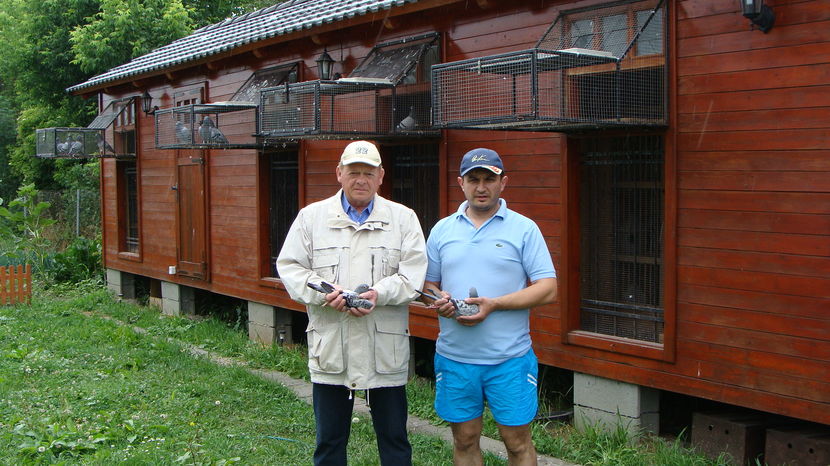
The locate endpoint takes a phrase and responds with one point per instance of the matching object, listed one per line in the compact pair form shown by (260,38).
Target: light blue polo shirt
(498,258)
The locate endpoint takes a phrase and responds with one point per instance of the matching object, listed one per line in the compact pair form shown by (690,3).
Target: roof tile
(230,33)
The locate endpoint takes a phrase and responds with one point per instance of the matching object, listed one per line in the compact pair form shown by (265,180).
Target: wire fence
(77,212)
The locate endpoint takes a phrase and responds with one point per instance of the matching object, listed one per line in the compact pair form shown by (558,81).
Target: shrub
(81,260)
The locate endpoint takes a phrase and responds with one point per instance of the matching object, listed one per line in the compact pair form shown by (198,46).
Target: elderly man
(356,238)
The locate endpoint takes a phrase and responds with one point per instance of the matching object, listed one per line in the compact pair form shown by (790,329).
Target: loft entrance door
(192,214)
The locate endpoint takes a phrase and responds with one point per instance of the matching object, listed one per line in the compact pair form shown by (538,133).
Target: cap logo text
(479,158)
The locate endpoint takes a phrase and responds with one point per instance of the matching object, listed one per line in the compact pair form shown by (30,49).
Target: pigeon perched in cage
(103,146)
(76,147)
(210,133)
(62,148)
(461,308)
(409,122)
(352,297)
(182,133)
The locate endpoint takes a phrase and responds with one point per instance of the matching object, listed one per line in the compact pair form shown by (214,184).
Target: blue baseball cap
(481,158)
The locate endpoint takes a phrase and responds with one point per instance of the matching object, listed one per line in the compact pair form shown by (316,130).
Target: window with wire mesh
(413,174)
(127,180)
(626,29)
(621,237)
(283,198)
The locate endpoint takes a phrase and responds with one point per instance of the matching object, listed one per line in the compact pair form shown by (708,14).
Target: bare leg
(519,444)
(466,443)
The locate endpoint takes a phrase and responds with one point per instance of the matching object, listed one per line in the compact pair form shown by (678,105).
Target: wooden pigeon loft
(386,96)
(110,135)
(598,67)
(218,125)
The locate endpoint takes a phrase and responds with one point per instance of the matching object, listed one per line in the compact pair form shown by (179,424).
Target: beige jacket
(386,252)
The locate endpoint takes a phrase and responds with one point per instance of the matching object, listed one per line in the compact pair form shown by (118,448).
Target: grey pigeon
(76,147)
(210,133)
(409,122)
(352,297)
(182,133)
(461,308)
(63,148)
(103,146)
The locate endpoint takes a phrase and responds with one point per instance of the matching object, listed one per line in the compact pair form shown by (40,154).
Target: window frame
(571,258)
(264,182)
(125,132)
(390,163)
(123,206)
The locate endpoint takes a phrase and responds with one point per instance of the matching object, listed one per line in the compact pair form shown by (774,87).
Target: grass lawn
(79,388)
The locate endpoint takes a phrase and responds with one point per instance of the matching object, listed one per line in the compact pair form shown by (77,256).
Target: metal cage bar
(597,67)
(219,125)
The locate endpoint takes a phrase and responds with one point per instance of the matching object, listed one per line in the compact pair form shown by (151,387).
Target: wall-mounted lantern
(147,103)
(761,15)
(324,63)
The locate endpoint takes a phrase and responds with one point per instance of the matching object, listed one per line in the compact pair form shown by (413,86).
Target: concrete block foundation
(121,283)
(177,300)
(269,324)
(604,402)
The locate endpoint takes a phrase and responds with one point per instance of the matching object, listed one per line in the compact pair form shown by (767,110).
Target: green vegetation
(78,384)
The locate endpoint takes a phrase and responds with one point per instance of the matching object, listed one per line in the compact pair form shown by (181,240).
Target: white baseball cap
(360,152)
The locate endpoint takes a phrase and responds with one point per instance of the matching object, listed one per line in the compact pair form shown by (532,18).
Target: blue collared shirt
(358,217)
(497,258)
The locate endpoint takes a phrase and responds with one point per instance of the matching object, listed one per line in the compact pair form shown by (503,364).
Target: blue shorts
(509,389)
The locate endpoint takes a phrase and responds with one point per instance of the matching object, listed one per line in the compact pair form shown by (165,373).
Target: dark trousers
(333,406)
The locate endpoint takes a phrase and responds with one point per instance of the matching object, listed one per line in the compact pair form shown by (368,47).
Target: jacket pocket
(325,350)
(391,261)
(391,347)
(385,263)
(325,265)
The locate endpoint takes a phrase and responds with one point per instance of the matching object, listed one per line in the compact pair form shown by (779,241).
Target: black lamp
(147,103)
(760,14)
(324,62)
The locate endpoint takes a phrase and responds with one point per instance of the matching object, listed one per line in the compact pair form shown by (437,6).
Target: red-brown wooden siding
(751,149)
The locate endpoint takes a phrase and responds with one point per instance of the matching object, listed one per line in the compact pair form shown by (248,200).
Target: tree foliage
(47,46)
(124,29)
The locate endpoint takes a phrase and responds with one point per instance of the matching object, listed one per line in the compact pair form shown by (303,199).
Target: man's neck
(478,217)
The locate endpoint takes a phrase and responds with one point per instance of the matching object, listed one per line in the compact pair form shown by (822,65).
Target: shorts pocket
(391,348)
(325,350)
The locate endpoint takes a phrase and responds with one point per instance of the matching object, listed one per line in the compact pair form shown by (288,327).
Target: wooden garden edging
(15,284)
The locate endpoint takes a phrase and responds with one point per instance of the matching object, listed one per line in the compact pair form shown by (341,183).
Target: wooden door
(192,200)
(192,214)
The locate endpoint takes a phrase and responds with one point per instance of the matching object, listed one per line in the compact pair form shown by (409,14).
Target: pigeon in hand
(461,307)
(210,133)
(182,133)
(352,297)
(409,122)
(104,147)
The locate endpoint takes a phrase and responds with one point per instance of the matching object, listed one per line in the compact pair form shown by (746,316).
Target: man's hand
(444,306)
(358,303)
(485,307)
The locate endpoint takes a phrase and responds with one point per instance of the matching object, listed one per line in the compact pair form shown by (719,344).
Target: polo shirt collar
(501,213)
